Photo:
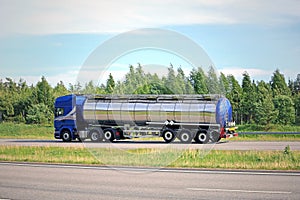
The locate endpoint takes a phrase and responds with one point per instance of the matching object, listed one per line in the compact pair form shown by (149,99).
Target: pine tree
(110,84)
(170,81)
(248,98)
(278,84)
(76,88)
(23,101)
(60,90)
(213,82)
(285,107)
(265,112)
(297,84)
(180,82)
(235,95)
(140,76)
(43,93)
(224,84)
(188,87)
(198,81)
(89,88)
(130,81)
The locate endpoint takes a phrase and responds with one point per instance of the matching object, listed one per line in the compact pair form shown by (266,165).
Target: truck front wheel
(66,135)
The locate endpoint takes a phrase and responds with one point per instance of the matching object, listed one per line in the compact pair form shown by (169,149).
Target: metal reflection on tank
(128,110)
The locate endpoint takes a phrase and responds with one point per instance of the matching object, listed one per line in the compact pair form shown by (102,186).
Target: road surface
(127,144)
(33,181)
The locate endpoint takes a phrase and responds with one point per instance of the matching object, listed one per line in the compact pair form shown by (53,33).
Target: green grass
(267,137)
(268,128)
(26,131)
(263,160)
(260,160)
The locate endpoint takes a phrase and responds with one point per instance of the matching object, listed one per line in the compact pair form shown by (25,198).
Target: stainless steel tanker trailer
(201,118)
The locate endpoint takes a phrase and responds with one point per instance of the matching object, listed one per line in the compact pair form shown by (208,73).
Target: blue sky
(54,38)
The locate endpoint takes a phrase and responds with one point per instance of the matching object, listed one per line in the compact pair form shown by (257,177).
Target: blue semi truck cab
(68,110)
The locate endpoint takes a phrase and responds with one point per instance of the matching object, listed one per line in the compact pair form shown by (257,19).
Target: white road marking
(240,191)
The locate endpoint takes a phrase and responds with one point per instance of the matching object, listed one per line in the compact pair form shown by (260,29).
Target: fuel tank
(139,109)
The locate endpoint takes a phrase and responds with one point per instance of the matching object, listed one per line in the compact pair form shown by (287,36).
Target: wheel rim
(202,137)
(66,136)
(107,135)
(185,137)
(94,136)
(168,135)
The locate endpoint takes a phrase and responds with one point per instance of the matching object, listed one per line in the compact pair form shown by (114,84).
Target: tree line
(259,102)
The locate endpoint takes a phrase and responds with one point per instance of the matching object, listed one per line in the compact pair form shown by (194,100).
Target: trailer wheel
(215,136)
(185,136)
(201,137)
(66,135)
(95,136)
(109,135)
(168,135)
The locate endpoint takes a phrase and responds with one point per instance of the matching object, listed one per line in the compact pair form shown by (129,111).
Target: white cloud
(66,77)
(255,74)
(77,16)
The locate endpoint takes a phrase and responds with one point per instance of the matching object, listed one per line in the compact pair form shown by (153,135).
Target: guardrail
(268,133)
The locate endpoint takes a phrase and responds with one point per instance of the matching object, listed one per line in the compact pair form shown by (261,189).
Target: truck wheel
(108,135)
(66,136)
(201,137)
(168,135)
(215,136)
(185,136)
(95,136)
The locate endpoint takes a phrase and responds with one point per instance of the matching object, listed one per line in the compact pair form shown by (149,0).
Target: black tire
(66,136)
(215,136)
(168,135)
(109,135)
(95,135)
(185,136)
(201,137)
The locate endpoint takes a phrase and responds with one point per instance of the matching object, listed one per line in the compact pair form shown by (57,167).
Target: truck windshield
(59,112)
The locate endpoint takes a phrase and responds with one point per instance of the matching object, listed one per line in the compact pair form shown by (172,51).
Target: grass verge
(268,128)
(260,160)
(267,137)
(26,131)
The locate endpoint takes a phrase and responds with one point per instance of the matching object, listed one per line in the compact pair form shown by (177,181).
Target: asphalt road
(127,144)
(26,181)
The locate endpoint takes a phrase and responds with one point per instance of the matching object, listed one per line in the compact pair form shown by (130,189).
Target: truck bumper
(57,134)
(230,135)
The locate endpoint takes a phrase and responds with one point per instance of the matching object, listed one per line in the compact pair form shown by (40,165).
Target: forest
(254,101)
